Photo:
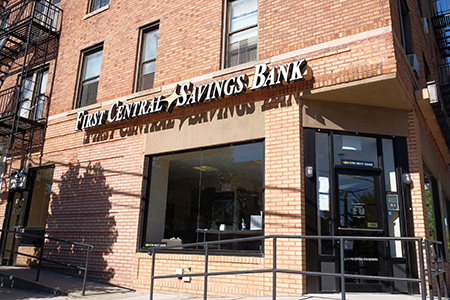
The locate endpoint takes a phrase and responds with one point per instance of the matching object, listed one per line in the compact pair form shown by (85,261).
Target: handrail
(342,275)
(435,257)
(89,249)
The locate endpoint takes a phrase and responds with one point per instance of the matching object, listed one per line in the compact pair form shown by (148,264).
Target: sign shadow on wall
(218,114)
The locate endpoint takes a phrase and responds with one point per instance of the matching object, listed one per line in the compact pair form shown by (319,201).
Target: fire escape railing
(29,32)
(7,101)
(40,11)
(441,26)
(24,25)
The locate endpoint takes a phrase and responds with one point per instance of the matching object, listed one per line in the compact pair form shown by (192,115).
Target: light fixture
(432,92)
(206,168)
(407,179)
(309,172)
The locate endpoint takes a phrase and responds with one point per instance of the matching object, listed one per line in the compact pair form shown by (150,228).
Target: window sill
(83,108)
(144,93)
(215,252)
(95,12)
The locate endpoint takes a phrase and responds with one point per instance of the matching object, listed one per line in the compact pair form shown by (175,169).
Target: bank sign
(187,94)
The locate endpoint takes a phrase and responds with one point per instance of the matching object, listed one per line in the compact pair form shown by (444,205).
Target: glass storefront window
(428,182)
(206,195)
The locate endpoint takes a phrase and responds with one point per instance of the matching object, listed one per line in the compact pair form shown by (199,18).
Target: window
(433,206)
(147,59)
(419,7)
(405,26)
(33,97)
(242,32)
(89,76)
(97,4)
(47,13)
(205,195)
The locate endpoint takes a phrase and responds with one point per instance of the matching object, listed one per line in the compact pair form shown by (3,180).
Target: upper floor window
(97,4)
(242,32)
(91,61)
(405,26)
(33,99)
(147,60)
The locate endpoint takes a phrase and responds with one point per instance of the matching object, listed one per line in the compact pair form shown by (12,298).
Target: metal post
(429,271)
(341,259)
(422,271)
(40,261)
(152,279)
(274,269)
(444,272)
(88,252)
(205,281)
(436,268)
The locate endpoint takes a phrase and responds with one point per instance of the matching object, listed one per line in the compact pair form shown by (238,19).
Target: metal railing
(435,257)
(7,98)
(41,243)
(426,249)
(41,11)
(34,108)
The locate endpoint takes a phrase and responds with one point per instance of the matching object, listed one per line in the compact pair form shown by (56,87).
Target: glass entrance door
(15,223)
(27,212)
(356,191)
(360,213)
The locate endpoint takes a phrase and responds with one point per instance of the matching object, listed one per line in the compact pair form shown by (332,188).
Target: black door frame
(382,230)
(8,211)
(407,264)
(32,172)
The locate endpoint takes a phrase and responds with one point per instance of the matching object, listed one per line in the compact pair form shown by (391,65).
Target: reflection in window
(242,32)
(429,199)
(445,215)
(147,62)
(90,75)
(195,196)
(355,151)
(33,99)
(357,201)
(97,4)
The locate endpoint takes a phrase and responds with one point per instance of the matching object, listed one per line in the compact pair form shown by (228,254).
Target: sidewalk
(68,288)
(14,294)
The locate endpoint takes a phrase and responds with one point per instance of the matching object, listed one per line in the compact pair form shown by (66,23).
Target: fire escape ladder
(29,34)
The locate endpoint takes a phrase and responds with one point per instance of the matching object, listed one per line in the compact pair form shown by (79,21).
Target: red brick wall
(97,187)
(190,44)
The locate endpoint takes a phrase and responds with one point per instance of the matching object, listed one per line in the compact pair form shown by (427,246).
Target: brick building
(153,123)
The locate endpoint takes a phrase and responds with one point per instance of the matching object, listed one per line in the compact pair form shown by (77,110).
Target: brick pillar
(284,193)
(416,170)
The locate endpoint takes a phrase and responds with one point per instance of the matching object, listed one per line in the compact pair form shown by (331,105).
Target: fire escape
(441,25)
(29,34)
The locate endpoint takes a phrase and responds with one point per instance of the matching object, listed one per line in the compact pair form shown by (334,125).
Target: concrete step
(14,282)
(55,283)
